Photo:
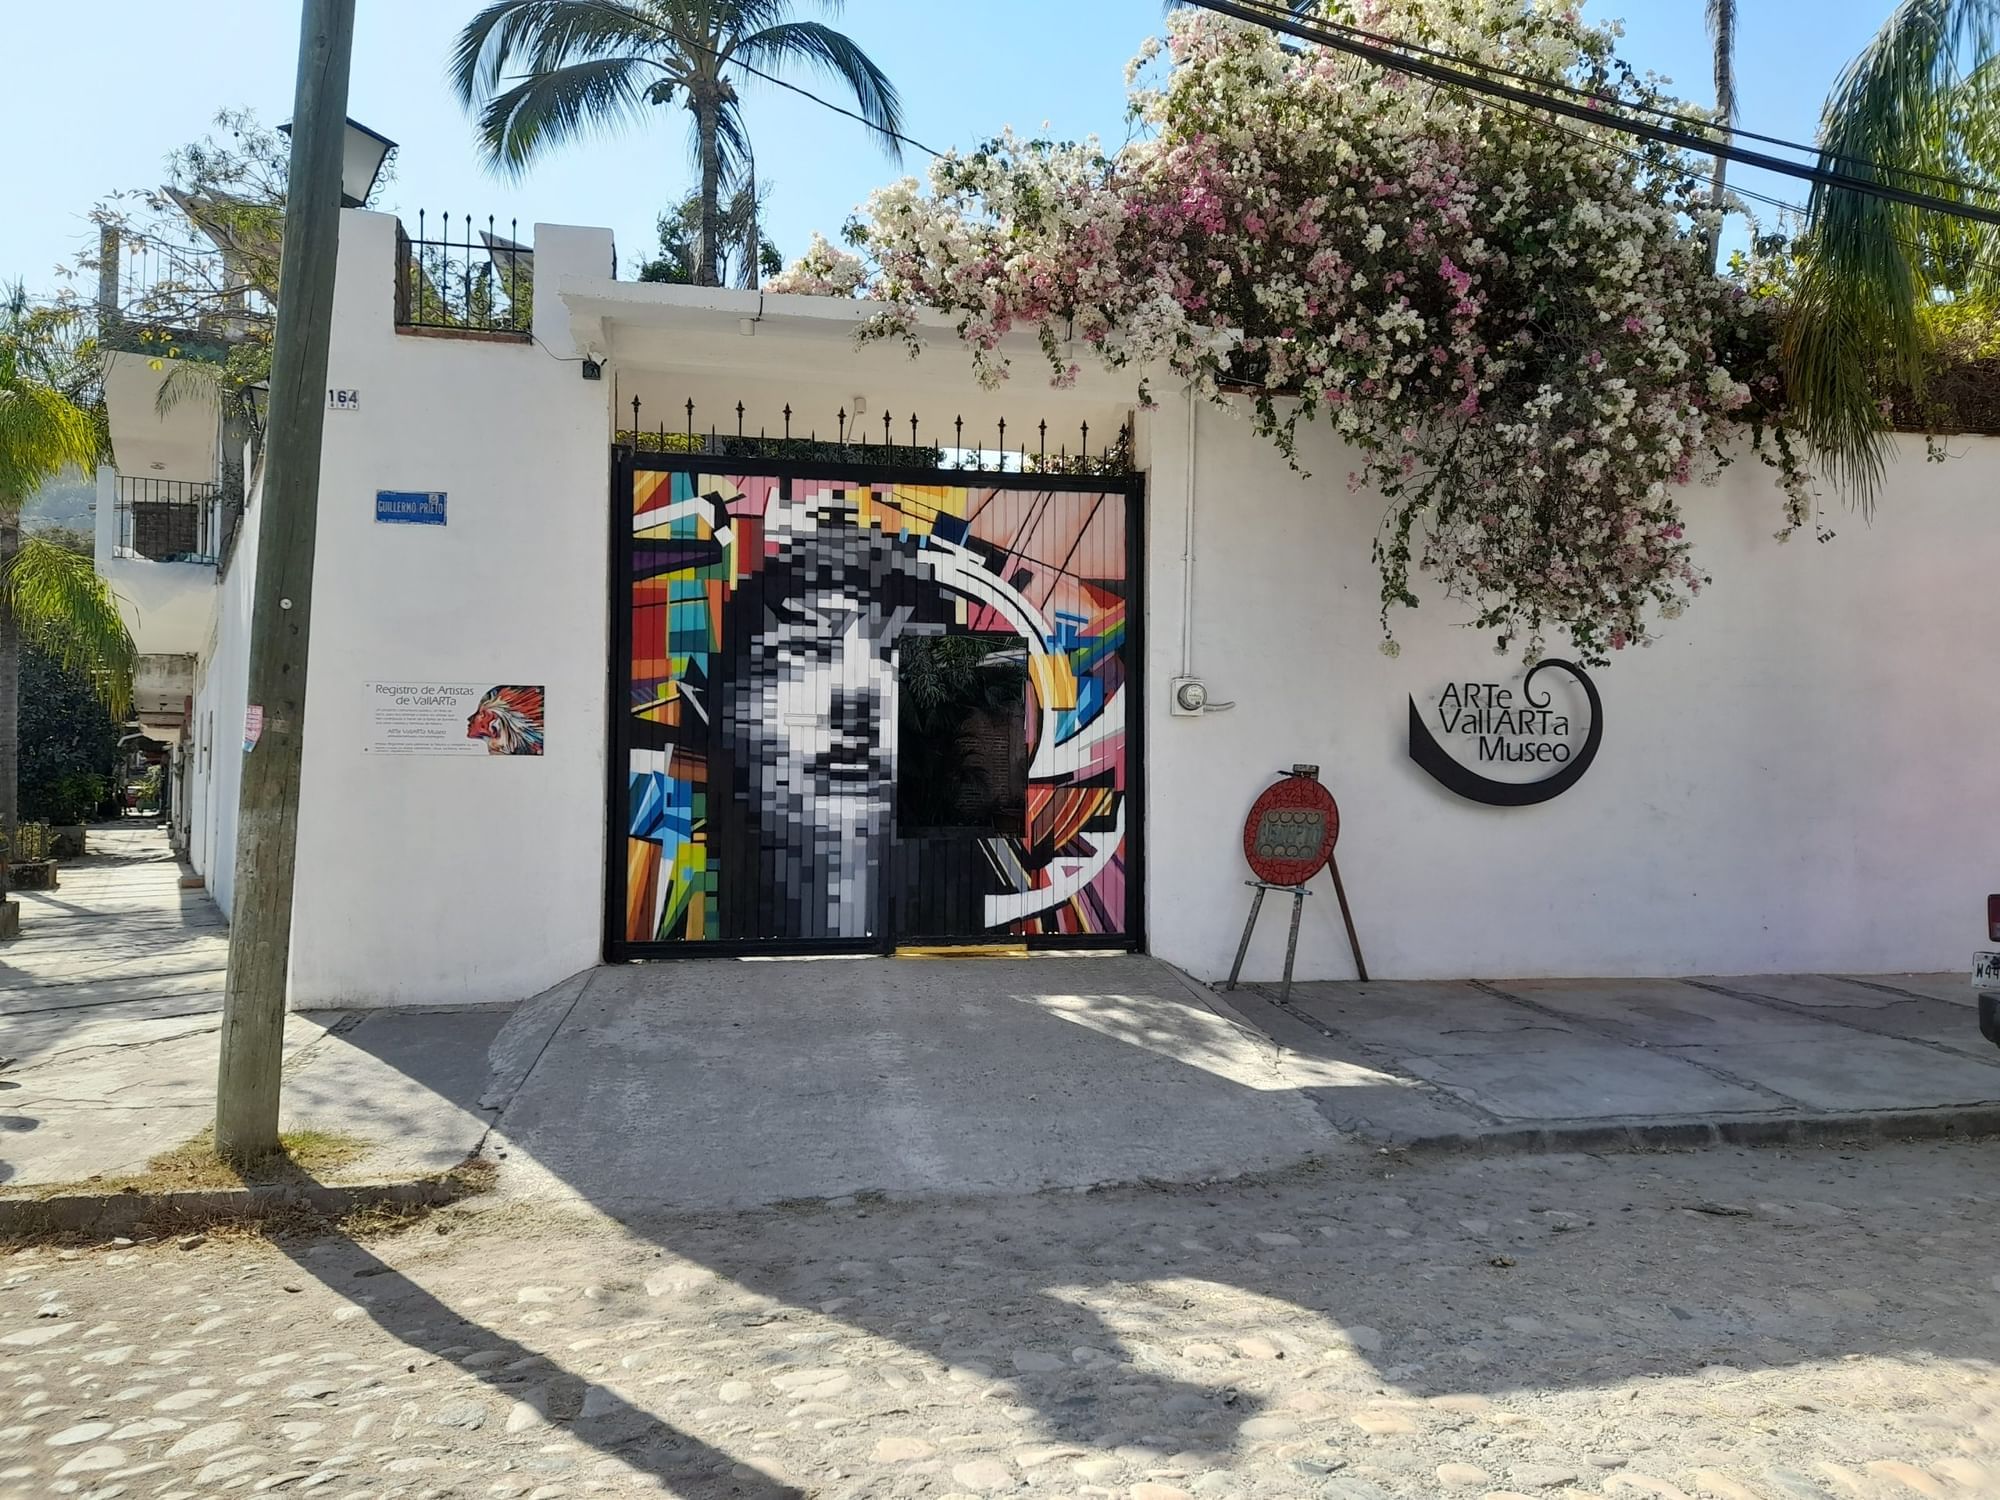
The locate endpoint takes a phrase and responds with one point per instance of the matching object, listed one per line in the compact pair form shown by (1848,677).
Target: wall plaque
(1490,724)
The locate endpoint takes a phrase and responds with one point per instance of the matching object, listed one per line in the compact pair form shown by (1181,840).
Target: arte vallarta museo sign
(1490,724)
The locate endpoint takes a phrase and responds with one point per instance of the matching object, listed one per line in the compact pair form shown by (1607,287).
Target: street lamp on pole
(362,152)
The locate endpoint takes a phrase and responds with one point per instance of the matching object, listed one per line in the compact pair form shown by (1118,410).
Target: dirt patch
(192,1214)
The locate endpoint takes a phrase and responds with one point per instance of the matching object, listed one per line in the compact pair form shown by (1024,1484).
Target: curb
(116,1213)
(1948,1122)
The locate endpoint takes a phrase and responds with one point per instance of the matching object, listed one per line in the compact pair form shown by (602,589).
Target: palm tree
(50,597)
(745,258)
(1917,109)
(539,73)
(1722,32)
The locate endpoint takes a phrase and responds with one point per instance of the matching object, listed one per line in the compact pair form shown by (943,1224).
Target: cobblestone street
(1730,1324)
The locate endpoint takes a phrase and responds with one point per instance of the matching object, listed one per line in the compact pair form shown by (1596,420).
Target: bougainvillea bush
(1512,321)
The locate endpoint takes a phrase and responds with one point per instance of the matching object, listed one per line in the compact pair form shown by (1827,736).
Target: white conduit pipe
(1187,551)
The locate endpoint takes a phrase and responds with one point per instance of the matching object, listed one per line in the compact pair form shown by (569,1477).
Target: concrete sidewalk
(717,1083)
(1577,1062)
(111,1005)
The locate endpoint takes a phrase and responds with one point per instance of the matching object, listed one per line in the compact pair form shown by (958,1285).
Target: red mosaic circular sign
(1291,830)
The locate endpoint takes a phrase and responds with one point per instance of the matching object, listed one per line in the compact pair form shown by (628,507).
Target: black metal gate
(855,704)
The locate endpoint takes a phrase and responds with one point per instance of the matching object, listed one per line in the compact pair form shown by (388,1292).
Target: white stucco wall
(215,732)
(164,604)
(428,880)
(442,879)
(1793,778)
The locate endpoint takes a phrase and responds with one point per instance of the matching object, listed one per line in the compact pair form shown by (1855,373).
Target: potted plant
(31,863)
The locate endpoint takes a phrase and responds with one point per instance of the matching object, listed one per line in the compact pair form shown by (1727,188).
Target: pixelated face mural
(766,617)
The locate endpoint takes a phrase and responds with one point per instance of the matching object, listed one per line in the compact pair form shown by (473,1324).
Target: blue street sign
(410,507)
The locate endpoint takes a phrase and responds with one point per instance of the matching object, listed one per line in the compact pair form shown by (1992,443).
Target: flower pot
(32,875)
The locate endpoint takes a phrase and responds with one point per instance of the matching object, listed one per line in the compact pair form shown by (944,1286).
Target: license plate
(1986,971)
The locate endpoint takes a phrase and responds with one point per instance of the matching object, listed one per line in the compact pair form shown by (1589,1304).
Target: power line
(1740,192)
(1457,77)
(824,103)
(1616,101)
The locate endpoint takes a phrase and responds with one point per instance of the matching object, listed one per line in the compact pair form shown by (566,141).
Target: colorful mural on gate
(765,618)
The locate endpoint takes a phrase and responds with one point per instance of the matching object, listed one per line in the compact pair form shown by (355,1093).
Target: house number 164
(343,400)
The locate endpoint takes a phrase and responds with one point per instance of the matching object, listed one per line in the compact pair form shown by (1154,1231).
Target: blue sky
(157,73)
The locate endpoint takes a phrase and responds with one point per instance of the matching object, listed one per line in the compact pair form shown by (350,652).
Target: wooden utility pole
(260,933)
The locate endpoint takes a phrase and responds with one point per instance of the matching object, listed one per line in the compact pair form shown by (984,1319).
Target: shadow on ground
(895,1089)
(904,1154)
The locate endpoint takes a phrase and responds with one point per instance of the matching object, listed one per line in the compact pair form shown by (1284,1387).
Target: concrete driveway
(714,1083)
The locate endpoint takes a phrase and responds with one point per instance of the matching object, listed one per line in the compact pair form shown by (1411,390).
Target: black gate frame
(626,462)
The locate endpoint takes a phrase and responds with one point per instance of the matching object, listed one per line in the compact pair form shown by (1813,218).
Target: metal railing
(151,295)
(172,520)
(846,438)
(471,280)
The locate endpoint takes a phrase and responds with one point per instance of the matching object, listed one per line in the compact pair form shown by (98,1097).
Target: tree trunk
(1718,181)
(708,249)
(1722,33)
(752,251)
(10,689)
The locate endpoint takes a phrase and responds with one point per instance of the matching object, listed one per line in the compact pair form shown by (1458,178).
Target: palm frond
(189,380)
(1908,104)
(535,35)
(837,56)
(69,614)
(41,434)
(553,108)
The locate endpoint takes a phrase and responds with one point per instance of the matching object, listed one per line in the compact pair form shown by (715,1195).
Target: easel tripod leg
(1346,916)
(1243,948)
(1292,943)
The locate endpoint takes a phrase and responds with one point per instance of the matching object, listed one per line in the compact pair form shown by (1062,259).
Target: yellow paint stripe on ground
(962,950)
